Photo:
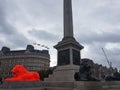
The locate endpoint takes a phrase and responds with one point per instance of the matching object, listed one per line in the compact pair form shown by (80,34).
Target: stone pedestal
(81,85)
(88,85)
(63,73)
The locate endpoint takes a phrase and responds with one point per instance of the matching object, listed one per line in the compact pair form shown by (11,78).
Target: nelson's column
(68,50)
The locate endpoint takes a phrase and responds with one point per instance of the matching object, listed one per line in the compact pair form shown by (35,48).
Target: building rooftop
(29,49)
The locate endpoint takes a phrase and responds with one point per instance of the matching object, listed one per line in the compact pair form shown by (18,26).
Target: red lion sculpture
(20,73)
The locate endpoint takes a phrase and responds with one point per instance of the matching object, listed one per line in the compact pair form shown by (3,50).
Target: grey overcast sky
(96,26)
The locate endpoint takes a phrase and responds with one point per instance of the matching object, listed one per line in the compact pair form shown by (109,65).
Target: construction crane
(109,63)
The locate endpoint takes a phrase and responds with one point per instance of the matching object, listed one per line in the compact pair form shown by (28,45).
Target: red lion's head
(19,70)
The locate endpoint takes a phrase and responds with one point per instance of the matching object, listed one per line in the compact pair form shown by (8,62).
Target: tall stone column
(68,21)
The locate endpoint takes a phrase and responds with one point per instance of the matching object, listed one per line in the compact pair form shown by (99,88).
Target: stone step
(111,83)
(39,88)
(50,76)
(46,79)
(49,79)
(111,87)
(58,88)
(58,84)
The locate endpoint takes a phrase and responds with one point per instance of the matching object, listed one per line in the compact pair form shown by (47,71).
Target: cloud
(104,37)
(107,12)
(43,35)
(5,28)
(10,35)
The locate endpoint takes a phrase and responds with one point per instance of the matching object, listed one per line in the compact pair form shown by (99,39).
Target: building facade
(32,59)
